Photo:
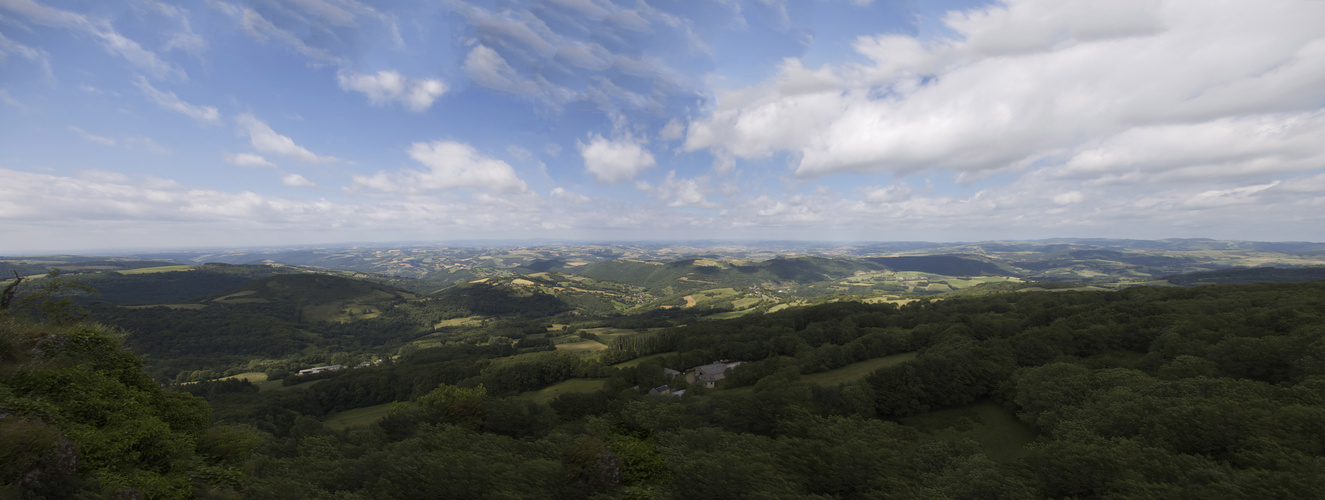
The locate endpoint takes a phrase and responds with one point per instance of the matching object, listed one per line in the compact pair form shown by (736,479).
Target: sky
(143,124)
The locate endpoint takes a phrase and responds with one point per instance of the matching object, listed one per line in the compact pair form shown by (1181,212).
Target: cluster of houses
(708,375)
(320,369)
(332,368)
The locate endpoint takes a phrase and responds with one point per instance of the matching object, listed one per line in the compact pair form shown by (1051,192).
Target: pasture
(637,361)
(580,385)
(581,346)
(169,306)
(158,269)
(856,371)
(357,417)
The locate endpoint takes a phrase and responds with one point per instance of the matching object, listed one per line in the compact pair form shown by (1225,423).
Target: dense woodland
(1205,392)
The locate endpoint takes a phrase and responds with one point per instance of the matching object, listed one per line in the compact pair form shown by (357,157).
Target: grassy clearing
(466,321)
(255,377)
(159,269)
(856,371)
(169,306)
(777,308)
(235,295)
(547,394)
(608,334)
(745,303)
(1073,289)
(998,431)
(637,361)
(357,417)
(729,314)
(582,346)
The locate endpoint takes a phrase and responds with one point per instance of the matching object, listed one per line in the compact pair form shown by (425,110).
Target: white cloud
(168,100)
(569,196)
(1038,82)
(672,131)
(1243,195)
(263,30)
(450,165)
(111,40)
(891,194)
(38,56)
(416,95)
(104,141)
(1069,198)
(615,161)
(683,192)
(185,39)
(523,51)
(296,180)
(266,140)
(247,160)
(487,68)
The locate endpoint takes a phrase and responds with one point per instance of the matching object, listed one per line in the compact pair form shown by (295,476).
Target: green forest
(1214,391)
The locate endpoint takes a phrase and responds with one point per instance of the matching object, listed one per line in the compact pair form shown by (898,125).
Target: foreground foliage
(80,418)
(1208,392)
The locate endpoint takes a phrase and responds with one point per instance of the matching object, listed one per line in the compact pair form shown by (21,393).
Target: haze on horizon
(147,124)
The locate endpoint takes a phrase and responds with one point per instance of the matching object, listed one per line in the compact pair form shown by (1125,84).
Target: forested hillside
(498,388)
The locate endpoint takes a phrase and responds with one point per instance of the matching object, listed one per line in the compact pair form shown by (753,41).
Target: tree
(51,301)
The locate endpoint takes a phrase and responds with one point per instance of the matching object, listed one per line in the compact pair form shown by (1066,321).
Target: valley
(945,360)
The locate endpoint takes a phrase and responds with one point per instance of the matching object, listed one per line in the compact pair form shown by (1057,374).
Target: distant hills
(1245,276)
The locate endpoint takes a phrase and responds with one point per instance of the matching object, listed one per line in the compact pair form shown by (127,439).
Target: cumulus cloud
(1034,82)
(247,160)
(266,140)
(416,95)
(450,165)
(613,161)
(99,208)
(168,100)
(682,192)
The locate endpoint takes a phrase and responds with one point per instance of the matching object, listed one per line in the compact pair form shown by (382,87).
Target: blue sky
(146,124)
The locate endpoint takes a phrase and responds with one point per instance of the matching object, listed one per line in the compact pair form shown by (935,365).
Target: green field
(547,394)
(357,417)
(161,269)
(856,371)
(998,431)
(729,314)
(745,303)
(582,346)
(169,306)
(637,361)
